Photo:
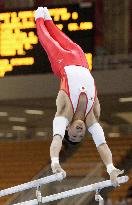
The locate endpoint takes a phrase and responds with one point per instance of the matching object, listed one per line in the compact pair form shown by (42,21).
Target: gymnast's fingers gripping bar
(73,192)
(32,184)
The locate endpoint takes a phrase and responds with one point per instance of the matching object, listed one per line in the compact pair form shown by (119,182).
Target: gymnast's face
(76,130)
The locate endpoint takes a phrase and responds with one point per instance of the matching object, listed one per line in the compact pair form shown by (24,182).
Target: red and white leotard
(68,62)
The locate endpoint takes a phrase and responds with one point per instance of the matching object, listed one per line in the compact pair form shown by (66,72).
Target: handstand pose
(78,108)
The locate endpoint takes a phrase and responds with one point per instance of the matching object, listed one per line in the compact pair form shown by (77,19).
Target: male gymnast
(78,108)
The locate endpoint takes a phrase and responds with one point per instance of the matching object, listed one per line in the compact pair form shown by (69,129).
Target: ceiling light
(127,116)
(19,128)
(113,134)
(127,99)
(9,135)
(34,112)
(1,134)
(3,114)
(41,134)
(17,119)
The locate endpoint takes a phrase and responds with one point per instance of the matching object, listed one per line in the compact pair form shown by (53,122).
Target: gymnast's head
(75,131)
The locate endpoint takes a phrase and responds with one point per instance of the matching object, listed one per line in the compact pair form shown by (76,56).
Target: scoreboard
(20,50)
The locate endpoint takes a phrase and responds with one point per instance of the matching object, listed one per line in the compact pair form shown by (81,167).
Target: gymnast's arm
(55,149)
(96,109)
(60,124)
(105,153)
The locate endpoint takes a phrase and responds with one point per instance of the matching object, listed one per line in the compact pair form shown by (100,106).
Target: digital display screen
(20,50)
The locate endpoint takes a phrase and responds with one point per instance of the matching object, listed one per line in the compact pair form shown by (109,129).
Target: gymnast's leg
(56,33)
(48,43)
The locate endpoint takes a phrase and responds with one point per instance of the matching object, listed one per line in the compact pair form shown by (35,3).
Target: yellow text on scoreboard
(18,36)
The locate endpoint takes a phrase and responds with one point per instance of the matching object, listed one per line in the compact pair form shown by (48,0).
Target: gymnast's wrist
(110,168)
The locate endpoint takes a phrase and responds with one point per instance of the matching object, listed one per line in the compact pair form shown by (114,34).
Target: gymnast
(78,108)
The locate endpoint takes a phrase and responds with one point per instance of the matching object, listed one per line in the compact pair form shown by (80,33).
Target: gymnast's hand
(113,176)
(56,168)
